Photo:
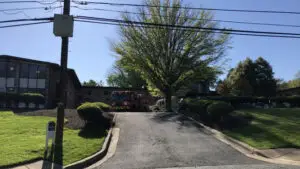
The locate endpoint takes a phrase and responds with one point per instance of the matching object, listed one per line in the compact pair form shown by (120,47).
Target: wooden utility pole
(63,91)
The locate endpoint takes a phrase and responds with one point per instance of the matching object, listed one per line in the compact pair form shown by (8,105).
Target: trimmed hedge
(237,100)
(36,98)
(218,110)
(93,112)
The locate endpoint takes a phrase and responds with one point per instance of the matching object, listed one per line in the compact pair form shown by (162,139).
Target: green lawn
(22,138)
(270,128)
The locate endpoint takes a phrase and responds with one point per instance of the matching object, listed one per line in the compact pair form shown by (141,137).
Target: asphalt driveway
(167,140)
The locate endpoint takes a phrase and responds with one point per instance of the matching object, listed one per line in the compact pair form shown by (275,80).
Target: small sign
(50,133)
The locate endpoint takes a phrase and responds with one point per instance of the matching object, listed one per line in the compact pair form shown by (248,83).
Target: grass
(270,128)
(22,138)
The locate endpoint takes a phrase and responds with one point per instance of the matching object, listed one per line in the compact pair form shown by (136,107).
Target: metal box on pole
(63,25)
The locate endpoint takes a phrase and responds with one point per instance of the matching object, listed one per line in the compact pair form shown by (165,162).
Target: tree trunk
(168,94)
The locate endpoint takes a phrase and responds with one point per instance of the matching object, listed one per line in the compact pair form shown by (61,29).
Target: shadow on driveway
(179,119)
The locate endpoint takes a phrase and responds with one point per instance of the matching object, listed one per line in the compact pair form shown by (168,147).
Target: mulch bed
(73,120)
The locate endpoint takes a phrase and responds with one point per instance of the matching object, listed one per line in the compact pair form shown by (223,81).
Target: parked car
(159,106)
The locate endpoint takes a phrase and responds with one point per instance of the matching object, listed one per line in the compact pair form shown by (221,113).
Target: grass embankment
(270,128)
(22,138)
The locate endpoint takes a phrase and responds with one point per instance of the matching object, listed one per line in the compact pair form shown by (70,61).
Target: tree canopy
(249,79)
(93,83)
(169,58)
(291,83)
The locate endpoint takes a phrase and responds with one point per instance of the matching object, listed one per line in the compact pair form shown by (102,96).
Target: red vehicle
(129,101)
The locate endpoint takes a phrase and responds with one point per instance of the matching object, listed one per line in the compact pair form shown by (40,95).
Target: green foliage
(103,106)
(291,83)
(92,83)
(23,138)
(270,128)
(223,88)
(219,110)
(93,112)
(32,98)
(124,77)
(36,98)
(170,58)
(250,79)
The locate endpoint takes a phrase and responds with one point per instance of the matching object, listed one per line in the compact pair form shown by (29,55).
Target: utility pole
(63,92)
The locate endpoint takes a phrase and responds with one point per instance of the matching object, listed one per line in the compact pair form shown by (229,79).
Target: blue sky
(91,56)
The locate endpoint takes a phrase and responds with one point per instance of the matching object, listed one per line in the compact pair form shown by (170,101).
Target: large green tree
(168,58)
(250,79)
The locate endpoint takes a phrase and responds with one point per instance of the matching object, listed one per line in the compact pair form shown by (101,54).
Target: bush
(218,110)
(197,105)
(36,98)
(93,113)
(103,106)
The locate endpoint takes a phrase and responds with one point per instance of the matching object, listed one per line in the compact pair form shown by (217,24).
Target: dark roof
(9,57)
(112,88)
(71,72)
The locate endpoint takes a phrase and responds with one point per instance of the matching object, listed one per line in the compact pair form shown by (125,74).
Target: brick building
(103,94)
(21,75)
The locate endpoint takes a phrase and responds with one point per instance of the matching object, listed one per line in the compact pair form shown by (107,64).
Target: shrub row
(293,100)
(36,98)
(210,111)
(94,112)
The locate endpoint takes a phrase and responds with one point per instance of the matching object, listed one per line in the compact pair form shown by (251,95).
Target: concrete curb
(96,157)
(21,163)
(242,147)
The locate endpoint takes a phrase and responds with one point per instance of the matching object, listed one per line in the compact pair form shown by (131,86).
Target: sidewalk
(291,154)
(40,165)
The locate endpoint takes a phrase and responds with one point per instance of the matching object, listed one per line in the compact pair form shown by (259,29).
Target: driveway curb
(245,149)
(97,156)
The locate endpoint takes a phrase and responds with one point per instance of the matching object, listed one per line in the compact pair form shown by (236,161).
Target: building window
(32,83)
(89,92)
(10,82)
(41,83)
(42,72)
(24,70)
(2,84)
(106,93)
(33,71)
(2,69)
(23,83)
(11,70)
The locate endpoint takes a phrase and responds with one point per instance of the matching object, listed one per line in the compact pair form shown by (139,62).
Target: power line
(25,24)
(214,20)
(43,3)
(26,20)
(155,27)
(29,8)
(188,27)
(192,8)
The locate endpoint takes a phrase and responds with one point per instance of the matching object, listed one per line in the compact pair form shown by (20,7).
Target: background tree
(169,58)
(90,83)
(223,88)
(266,84)
(251,79)
(93,83)
(122,77)
(291,83)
